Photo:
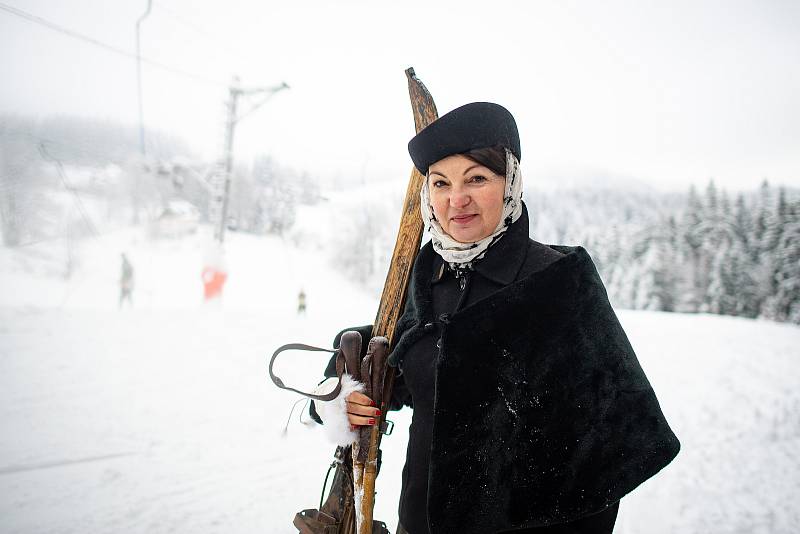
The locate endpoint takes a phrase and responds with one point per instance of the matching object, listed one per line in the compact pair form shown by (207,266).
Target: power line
(130,55)
(234,54)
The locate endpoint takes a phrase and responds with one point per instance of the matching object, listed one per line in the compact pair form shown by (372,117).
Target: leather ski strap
(300,346)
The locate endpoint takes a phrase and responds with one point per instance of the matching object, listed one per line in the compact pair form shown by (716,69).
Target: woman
(531,412)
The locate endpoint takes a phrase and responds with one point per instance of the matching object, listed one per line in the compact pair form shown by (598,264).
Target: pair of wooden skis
(391,305)
(372,370)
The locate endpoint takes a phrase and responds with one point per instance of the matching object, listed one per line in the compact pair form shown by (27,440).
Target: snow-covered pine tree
(789,282)
(784,300)
(761,208)
(720,296)
(713,238)
(691,230)
(740,266)
(760,214)
(775,218)
(277,196)
(770,228)
(656,283)
(713,298)
(738,273)
(744,227)
(22,183)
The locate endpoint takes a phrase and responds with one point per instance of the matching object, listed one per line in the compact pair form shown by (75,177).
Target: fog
(663,93)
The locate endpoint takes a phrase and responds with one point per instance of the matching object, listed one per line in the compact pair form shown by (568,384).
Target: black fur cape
(543,414)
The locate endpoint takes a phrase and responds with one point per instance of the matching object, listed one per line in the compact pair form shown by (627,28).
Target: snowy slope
(161,418)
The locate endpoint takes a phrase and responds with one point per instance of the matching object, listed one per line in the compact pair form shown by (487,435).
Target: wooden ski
(391,305)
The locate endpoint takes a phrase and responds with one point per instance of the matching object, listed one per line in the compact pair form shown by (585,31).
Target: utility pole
(234,92)
(139,76)
(214,270)
(222,183)
(142,149)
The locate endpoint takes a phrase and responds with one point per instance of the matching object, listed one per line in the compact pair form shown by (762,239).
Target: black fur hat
(475,125)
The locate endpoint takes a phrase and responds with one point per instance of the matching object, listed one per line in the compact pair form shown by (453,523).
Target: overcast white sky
(669,93)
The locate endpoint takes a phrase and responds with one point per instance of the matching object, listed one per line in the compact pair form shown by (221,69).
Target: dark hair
(493,158)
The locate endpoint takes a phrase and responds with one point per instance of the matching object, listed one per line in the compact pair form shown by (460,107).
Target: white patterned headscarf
(462,255)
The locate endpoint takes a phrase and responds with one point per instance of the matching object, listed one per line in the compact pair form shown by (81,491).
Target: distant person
(215,272)
(126,282)
(301,302)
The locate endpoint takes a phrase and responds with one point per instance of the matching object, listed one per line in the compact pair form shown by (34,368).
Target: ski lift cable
(229,52)
(78,149)
(130,55)
(60,168)
(73,147)
(40,241)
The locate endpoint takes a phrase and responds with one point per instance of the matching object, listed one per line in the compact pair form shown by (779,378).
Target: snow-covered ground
(161,418)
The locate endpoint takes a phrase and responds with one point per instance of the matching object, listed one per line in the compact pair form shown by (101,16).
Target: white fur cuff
(334,412)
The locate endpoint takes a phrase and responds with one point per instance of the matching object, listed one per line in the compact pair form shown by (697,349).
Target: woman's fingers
(359,420)
(357,397)
(361,410)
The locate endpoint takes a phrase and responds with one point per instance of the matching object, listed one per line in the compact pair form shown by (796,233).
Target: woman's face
(467,198)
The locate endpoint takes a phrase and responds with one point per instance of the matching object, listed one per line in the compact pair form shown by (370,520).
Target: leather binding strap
(300,346)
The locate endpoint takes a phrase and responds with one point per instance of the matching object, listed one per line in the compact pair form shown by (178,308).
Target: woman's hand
(348,412)
(361,410)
